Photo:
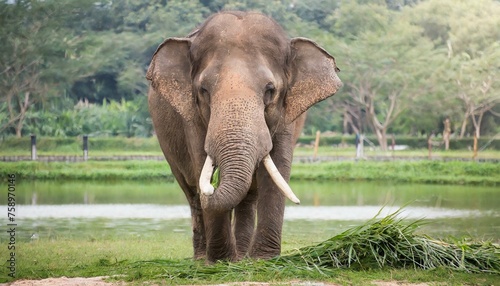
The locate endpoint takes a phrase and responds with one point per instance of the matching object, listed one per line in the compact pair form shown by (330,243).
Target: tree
(478,86)
(353,19)
(33,52)
(112,73)
(468,30)
(387,70)
(127,33)
(315,11)
(475,49)
(405,64)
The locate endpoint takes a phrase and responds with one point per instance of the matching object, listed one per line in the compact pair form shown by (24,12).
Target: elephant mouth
(215,177)
(209,178)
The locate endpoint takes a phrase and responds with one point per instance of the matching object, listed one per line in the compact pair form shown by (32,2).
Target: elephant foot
(265,255)
(220,241)
(264,251)
(200,256)
(228,255)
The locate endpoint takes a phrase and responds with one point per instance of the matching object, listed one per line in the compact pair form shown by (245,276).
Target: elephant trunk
(208,189)
(236,172)
(238,139)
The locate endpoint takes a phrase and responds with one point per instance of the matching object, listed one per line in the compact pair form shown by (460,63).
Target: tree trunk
(382,138)
(349,123)
(477,124)
(345,122)
(23,108)
(464,126)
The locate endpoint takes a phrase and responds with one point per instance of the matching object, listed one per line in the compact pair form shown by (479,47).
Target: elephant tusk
(279,180)
(206,175)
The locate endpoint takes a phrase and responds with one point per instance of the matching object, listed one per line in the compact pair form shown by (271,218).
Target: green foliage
(124,144)
(110,145)
(429,172)
(130,170)
(317,11)
(413,142)
(34,55)
(416,52)
(124,118)
(353,20)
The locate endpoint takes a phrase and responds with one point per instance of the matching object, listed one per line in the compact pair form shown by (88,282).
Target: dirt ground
(99,281)
(93,281)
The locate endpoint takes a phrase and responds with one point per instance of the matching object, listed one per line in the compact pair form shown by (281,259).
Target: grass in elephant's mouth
(215,178)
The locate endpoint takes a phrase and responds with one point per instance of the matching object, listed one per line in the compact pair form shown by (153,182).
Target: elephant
(231,96)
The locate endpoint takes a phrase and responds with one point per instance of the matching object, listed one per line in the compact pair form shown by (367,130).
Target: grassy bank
(91,170)
(384,249)
(152,149)
(431,172)
(435,172)
(118,144)
(329,146)
(350,152)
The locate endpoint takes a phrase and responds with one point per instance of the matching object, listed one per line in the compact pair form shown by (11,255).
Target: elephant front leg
(220,238)
(270,210)
(244,222)
(197,221)
(199,239)
(271,201)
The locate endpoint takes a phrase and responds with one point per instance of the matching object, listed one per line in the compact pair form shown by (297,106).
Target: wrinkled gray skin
(236,89)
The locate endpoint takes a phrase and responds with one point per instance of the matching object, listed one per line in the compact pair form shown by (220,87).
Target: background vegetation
(427,172)
(77,67)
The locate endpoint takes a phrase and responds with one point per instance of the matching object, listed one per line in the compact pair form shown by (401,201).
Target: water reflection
(111,211)
(310,194)
(34,198)
(59,209)
(165,212)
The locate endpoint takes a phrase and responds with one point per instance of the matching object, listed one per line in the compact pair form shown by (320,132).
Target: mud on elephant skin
(232,95)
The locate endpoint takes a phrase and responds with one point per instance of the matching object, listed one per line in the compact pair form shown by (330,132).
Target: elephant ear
(169,73)
(313,77)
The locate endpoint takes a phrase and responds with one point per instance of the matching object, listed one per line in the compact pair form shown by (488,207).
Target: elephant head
(244,80)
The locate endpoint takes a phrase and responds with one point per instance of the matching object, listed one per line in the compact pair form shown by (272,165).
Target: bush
(124,118)
(411,142)
(125,144)
(75,144)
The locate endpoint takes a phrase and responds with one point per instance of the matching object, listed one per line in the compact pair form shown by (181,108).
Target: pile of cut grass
(387,243)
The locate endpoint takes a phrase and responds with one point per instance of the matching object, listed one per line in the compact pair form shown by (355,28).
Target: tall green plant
(124,118)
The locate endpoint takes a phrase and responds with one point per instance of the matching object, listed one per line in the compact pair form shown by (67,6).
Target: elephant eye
(203,96)
(204,92)
(269,93)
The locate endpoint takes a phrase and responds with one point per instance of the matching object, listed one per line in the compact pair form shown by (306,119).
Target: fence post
(33,147)
(85,147)
(429,144)
(475,146)
(316,144)
(359,145)
(393,143)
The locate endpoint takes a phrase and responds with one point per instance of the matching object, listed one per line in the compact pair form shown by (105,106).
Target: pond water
(75,209)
